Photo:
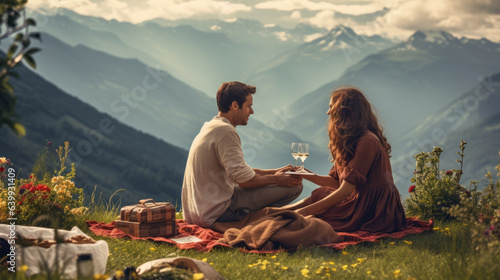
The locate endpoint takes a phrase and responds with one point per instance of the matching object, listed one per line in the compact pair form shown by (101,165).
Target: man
(218,184)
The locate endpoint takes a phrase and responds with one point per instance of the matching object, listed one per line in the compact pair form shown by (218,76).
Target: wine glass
(295,152)
(303,152)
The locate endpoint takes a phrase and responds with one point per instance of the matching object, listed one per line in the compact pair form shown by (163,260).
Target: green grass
(446,253)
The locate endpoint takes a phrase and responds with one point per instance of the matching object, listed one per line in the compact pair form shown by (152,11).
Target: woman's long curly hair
(351,115)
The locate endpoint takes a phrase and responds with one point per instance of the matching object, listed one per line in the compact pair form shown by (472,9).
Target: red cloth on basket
(209,238)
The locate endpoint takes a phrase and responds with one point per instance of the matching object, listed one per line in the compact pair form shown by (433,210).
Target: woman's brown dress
(375,204)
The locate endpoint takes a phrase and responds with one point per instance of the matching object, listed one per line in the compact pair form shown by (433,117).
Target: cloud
(324,19)
(296,15)
(476,19)
(290,5)
(168,9)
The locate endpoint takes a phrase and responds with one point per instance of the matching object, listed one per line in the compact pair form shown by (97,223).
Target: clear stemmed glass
(295,152)
(303,152)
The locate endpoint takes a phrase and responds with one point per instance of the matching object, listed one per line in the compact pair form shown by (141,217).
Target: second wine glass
(303,152)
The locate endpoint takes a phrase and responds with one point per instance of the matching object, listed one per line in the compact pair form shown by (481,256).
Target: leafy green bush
(434,191)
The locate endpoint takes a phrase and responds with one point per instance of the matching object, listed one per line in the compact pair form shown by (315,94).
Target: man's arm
(266,180)
(264,172)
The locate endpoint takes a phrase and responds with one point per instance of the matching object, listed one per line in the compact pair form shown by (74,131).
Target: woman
(359,192)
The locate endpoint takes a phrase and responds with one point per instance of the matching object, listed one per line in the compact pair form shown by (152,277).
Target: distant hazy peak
(433,36)
(439,39)
(341,29)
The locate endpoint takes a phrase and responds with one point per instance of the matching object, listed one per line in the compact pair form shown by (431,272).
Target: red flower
(2,169)
(449,172)
(468,193)
(27,186)
(412,188)
(31,176)
(41,188)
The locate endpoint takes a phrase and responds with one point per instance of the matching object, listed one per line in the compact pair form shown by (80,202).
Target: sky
(468,18)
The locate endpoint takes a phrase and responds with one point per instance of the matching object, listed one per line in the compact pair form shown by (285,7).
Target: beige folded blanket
(271,228)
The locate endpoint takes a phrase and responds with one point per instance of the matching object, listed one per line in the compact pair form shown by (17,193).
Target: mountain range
(312,64)
(405,83)
(202,59)
(107,154)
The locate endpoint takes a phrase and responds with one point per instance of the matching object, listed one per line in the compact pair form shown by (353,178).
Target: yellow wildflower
(273,257)
(361,260)
(152,249)
(447,229)
(344,253)
(100,276)
(276,264)
(354,265)
(204,259)
(344,267)
(24,268)
(284,267)
(331,263)
(119,274)
(391,243)
(211,263)
(68,183)
(304,271)
(436,228)
(408,242)
(263,267)
(334,269)
(369,272)
(250,265)
(66,208)
(397,273)
(56,179)
(198,276)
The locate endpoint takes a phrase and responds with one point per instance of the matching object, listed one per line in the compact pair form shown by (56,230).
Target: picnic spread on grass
(264,231)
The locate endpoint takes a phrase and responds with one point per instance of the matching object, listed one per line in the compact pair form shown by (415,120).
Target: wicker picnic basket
(161,229)
(148,211)
(148,219)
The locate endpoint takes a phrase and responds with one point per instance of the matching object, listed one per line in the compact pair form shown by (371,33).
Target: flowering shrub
(49,194)
(434,191)
(480,210)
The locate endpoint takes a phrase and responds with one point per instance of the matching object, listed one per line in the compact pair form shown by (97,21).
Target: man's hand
(284,169)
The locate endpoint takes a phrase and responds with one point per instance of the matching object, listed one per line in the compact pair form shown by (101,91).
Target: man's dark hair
(233,91)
